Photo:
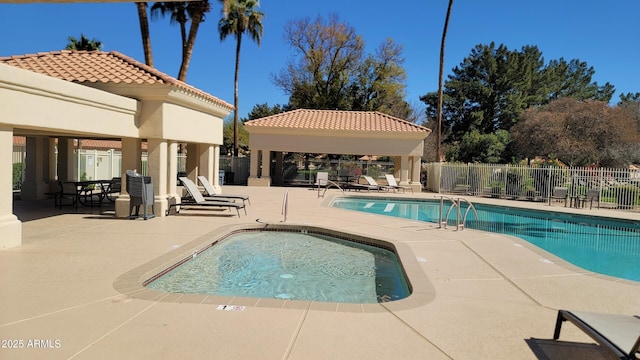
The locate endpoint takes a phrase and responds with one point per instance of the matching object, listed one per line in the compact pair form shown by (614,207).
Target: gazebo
(55,97)
(335,132)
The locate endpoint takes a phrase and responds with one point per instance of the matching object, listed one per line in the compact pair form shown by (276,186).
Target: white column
(416,185)
(216,168)
(157,169)
(172,171)
(205,161)
(34,185)
(404,170)
(396,167)
(66,160)
(254,167)
(278,176)
(10,226)
(415,169)
(52,169)
(131,160)
(266,164)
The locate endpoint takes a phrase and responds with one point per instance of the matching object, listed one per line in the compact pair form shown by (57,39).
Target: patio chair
(620,334)
(66,190)
(374,184)
(356,185)
(391,182)
(593,195)
(322,179)
(196,199)
(114,187)
(559,193)
(211,194)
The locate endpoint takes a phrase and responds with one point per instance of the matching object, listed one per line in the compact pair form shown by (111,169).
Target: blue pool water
(602,245)
(290,266)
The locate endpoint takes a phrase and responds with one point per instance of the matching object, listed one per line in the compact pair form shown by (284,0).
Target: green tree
(482,148)
(493,86)
(228,145)
(177,12)
(326,53)
(329,70)
(379,82)
(83,43)
(144,32)
(573,79)
(264,110)
(578,133)
(240,17)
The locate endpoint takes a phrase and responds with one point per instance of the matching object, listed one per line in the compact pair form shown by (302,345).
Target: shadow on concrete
(548,349)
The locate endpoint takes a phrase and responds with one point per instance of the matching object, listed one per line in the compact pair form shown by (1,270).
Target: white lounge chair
(195,199)
(211,194)
(620,334)
(391,182)
(373,184)
(322,178)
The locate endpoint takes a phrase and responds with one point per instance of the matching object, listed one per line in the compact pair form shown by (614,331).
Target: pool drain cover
(286,276)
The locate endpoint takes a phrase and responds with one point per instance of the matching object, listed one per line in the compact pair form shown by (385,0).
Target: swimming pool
(289,264)
(602,245)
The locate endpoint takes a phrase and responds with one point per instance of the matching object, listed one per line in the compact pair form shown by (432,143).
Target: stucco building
(67,95)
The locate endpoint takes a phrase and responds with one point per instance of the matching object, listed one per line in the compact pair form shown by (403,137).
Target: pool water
(290,266)
(602,245)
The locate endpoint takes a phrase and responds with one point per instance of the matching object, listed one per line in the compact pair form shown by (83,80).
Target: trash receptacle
(220,177)
(140,189)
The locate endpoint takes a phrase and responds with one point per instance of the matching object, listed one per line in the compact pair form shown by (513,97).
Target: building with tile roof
(56,98)
(336,132)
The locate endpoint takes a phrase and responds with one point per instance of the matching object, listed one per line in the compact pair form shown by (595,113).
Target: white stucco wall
(33,101)
(162,120)
(339,143)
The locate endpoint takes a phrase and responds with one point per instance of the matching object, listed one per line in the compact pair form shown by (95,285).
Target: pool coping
(131,283)
(532,247)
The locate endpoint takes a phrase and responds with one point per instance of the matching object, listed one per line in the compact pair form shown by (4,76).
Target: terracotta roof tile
(100,67)
(336,120)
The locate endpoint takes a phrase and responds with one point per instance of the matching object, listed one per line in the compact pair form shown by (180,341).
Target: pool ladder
(455,204)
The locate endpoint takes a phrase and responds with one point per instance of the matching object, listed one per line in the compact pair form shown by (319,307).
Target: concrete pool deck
(493,296)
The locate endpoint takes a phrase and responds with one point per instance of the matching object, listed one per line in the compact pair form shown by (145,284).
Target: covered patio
(335,132)
(55,97)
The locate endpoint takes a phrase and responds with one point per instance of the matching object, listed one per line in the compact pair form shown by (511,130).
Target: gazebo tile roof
(336,120)
(100,67)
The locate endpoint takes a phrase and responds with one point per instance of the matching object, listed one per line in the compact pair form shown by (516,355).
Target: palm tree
(444,35)
(144,31)
(83,44)
(182,12)
(177,12)
(196,11)
(238,17)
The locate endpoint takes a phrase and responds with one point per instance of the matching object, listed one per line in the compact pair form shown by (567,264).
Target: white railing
(616,188)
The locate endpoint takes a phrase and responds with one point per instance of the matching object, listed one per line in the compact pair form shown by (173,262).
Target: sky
(604,34)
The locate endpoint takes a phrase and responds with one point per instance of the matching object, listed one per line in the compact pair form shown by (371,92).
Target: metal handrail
(470,207)
(455,204)
(285,205)
(327,186)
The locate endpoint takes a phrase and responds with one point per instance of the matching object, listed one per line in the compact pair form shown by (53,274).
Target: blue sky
(604,34)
